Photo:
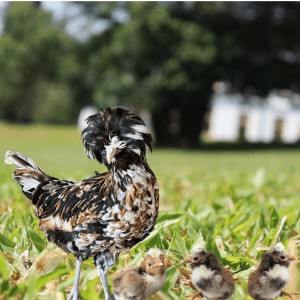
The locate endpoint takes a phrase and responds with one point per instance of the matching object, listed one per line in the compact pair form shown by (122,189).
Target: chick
(142,281)
(208,276)
(268,281)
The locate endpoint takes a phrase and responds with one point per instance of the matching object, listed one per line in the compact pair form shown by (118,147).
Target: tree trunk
(37,4)
(191,124)
(160,123)
(179,127)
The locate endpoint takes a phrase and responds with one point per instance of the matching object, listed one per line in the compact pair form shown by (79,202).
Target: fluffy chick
(271,277)
(142,281)
(208,276)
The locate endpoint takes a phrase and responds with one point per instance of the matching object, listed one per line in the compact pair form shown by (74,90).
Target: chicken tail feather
(28,174)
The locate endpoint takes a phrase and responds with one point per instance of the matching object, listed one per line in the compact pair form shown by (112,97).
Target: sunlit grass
(232,202)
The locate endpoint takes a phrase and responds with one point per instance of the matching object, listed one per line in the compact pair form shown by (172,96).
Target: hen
(103,215)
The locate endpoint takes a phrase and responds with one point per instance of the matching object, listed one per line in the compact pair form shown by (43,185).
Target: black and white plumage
(272,275)
(103,215)
(208,276)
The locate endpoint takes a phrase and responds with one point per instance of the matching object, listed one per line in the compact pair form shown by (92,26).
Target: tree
(37,61)
(157,60)
(259,45)
(168,55)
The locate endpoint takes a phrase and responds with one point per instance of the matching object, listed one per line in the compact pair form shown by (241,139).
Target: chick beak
(187,260)
(160,264)
(291,257)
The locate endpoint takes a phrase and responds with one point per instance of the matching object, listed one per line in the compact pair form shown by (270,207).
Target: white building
(258,120)
(85,112)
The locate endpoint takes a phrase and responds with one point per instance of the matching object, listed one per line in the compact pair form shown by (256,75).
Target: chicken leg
(74,294)
(104,261)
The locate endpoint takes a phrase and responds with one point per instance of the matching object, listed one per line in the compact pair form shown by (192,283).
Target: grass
(233,202)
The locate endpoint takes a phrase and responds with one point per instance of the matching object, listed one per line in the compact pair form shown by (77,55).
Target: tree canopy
(168,55)
(37,60)
(156,60)
(163,56)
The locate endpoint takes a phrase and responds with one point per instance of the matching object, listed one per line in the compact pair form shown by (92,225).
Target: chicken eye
(196,258)
(282,257)
(149,264)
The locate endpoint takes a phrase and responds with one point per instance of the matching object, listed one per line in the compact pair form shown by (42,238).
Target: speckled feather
(110,212)
(107,211)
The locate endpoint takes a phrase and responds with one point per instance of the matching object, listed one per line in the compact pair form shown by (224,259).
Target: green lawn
(231,202)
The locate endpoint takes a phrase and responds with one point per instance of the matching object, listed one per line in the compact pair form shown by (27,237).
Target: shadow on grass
(227,146)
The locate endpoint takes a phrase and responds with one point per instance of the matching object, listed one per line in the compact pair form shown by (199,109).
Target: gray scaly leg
(74,294)
(104,261)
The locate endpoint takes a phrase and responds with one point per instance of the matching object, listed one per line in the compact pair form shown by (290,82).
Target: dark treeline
(164,57)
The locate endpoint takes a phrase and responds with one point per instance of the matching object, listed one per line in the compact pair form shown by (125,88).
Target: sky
(81,27)
(2,8)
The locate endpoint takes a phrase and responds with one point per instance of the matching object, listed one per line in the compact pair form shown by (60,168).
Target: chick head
(154,262)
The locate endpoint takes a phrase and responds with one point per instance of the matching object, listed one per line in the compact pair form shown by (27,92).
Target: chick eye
(149,264)
(282,257)
(196,258)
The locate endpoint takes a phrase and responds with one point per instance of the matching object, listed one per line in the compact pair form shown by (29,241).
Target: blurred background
(219,77)
(197,72)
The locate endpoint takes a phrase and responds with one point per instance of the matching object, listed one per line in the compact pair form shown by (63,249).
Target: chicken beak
(110,153)
(160,264)
(187,260)
(109,157)
(291,257)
